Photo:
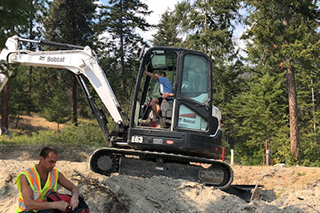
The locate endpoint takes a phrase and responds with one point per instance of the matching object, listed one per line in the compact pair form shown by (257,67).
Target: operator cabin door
(193,107)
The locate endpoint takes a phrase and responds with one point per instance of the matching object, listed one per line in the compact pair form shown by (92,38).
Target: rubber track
(168,156)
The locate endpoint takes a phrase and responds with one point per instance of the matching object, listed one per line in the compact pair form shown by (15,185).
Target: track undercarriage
(146,164)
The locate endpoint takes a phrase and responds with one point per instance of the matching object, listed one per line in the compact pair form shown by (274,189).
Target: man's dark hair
(46,150)
(162,72)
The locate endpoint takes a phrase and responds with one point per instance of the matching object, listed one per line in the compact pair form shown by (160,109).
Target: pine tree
(277,28)
(57,112)
(120,21)
(71,21)
(208,25)
(167,34)
(14,17)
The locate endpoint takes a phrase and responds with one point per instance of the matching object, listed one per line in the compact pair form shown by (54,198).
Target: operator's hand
(74,202)
(165,95)
(61,205)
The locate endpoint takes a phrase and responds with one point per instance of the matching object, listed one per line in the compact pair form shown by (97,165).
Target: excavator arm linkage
(82,61)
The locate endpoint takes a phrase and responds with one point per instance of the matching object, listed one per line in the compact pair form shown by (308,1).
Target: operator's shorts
(160,99)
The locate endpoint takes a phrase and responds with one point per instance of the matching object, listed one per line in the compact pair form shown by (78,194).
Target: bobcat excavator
(188,143)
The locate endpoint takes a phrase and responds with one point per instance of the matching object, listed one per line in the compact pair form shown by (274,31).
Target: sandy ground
(286,189)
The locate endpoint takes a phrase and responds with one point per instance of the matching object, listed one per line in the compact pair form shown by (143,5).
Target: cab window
(195,78)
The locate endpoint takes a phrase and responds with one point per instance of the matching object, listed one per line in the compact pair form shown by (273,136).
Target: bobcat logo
(42,58)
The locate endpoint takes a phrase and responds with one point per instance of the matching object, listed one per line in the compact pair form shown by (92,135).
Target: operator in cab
(166,91)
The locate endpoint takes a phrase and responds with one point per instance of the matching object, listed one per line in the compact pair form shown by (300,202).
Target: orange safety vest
(39,193)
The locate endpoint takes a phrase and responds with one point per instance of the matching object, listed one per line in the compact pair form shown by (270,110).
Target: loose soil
(284,189)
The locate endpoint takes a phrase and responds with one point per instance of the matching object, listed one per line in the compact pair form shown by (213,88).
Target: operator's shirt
(165,85)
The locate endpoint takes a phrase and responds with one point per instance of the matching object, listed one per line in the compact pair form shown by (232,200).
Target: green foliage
(280,37)
(208,26)
(56,111)
(252,95)
(13,15)
(68,22)
(167,34)
(120,20)
(20,100)
(83,134)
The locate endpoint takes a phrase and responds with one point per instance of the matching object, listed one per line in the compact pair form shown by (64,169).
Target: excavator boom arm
(79,61)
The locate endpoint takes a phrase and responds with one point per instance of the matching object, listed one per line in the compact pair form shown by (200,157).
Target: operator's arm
(151,75)
(63,181)
(27,194)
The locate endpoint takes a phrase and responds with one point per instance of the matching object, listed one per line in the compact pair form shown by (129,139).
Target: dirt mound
(31,152)
(295,189)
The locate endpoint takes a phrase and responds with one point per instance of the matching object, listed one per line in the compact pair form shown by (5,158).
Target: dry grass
(25,124)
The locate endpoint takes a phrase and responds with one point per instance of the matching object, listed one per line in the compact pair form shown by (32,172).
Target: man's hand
(61,205)
(74,202)
(165,95)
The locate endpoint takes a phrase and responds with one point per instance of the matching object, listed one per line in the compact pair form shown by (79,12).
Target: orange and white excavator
(188,143)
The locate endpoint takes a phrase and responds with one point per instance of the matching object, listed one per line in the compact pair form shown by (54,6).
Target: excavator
(187,145)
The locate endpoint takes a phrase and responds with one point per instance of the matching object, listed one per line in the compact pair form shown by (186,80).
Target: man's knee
(155,101)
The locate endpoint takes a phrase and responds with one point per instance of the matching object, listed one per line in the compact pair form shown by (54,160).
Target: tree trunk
(205,25)
(5,106)
(29,87)
(74,79)
(74,101)
(122,53)
(293,111)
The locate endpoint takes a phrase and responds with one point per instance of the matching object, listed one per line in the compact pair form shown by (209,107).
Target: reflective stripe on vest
(39,193)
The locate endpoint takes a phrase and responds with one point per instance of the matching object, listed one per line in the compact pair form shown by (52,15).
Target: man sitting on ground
(36,183)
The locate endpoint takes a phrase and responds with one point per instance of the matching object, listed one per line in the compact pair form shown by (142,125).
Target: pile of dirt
(292,189)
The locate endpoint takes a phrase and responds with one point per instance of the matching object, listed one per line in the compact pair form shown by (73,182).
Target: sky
(160,6)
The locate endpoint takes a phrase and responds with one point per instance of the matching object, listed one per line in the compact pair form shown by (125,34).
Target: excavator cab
(189,123)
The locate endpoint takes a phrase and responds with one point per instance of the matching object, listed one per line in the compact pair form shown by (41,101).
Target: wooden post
(268,157)
(232,156)
(266,154)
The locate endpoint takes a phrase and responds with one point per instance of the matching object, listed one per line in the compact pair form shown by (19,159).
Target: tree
(57,110)
(119,21)
(208,26)
(276,29)
(14,16)
(167,34)
(71,21)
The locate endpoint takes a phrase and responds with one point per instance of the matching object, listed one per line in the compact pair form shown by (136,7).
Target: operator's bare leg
(156,109)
